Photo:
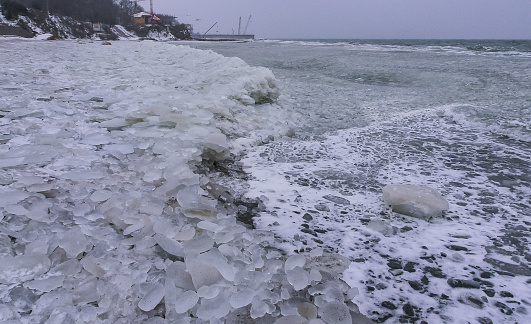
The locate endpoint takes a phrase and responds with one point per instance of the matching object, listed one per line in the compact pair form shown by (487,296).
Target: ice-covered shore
(104,218)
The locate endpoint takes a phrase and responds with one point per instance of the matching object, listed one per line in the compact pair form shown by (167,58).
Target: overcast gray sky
(499,19)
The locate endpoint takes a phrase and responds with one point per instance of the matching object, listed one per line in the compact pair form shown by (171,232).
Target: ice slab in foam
(415,200)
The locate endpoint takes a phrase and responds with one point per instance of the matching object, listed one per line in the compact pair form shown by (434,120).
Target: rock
(337,199)
(389,305)
(506,294)
(415,200)
(503,308)
(484,320)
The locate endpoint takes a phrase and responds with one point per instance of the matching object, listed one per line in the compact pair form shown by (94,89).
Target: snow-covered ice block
(415,200)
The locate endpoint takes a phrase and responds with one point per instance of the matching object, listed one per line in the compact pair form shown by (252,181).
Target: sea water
(452,115)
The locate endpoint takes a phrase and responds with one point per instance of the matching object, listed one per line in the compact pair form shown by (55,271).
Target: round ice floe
(298,278)
(186,301)
(307,310)
(152,297)
(242,298)
(298,260)
(415,200)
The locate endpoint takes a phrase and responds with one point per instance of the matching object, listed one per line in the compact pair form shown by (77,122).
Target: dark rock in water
(506,294)
(460,283)
(321,207)
(416,285)
(436,272)
(509,268)
(337,200)
(472,300)
(489,292)
(394,264)
(307,217)
(410,267)
(487,275)
(406,229)
(396,272)
(503,308)
(389,305)
(457,248)
(408,309)
(484,320)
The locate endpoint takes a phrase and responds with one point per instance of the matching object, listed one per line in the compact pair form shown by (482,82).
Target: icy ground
(103,217)
(470,266)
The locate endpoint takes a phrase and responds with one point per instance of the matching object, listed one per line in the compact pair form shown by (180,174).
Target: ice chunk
(22,298)
(83,175)
(185,234)
(97,139)
(213,308)
(319,321)
(199,244)
(120,148)
(181,278)
(218,260)
(6,246)
(298,278)
(317,252)
(16,210)
(152,297)
(194,205)
(90,264)
(209,292)
(415,200)
(73,242)
(315,275)
(298,260)
(86,292)
(332,263)
(291,319)
(169,245)
(258,308)
(22,268)
(11,162)
(186,301)
(335,312)
(203,274)
(242,298)
(9,197)
(307,310)
(382,227)
(101,195)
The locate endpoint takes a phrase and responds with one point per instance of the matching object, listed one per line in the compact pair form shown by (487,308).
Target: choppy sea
(450,114)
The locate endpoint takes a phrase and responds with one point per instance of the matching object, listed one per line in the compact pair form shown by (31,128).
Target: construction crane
(150,7)
(246,26)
